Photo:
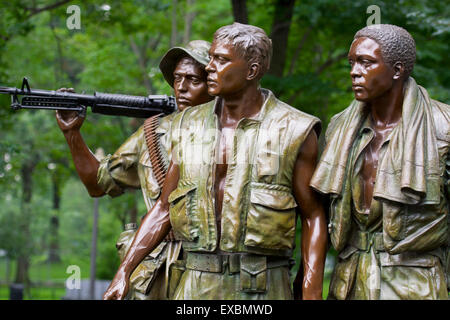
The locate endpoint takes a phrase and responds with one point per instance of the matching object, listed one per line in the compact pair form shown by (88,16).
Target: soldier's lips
(183,101)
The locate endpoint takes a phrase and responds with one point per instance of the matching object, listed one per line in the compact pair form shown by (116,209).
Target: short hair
(396,44)
(250,42)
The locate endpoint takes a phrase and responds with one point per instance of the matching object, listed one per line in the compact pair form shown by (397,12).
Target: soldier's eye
(222,59)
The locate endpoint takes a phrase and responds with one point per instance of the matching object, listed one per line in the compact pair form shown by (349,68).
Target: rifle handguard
(121,99)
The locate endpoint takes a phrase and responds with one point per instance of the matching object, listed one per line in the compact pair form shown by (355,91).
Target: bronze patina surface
(240,166)
(384,167)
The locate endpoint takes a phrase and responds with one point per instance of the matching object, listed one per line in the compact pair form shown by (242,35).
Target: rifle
(103,103)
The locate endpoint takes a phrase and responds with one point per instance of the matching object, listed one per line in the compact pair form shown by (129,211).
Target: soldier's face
(190,84)
(371,76)
(227,70)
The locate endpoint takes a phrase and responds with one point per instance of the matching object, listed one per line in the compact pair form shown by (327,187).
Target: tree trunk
(240,13)
(299,48)
(59,64)
(188,19)
(143,64)
(173,35)
(280,34)
(54,221)
(23,264)
(93,264)
(23,260)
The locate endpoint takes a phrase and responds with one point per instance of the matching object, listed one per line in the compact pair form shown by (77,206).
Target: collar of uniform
(268,105)
(366,128)
(365,134)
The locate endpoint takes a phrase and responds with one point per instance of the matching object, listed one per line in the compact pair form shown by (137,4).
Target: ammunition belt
(154,149)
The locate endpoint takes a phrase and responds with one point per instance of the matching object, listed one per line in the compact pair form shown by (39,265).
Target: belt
(363,240)
(218,262)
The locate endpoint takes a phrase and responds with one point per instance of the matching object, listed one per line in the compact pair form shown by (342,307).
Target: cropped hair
(396,44)
(250,43)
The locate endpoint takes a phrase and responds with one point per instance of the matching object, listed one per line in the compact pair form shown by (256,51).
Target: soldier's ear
(253,71)
(399,70)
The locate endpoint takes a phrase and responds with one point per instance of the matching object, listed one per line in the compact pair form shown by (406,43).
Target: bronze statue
(241,164)
(386,167)
(142,160)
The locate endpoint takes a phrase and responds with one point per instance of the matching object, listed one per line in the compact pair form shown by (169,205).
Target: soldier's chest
(371,158)
(224,151)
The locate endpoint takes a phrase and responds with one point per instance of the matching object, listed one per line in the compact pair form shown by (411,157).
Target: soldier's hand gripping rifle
(103,103)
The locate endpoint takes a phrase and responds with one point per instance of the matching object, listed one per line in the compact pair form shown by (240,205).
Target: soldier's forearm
(85,162)
(154,227)
(314,242)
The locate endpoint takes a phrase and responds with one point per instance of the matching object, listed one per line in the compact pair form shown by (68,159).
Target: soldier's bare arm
(85,162)
(154,227)
(314,234)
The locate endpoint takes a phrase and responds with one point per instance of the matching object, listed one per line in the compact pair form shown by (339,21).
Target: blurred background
(57,242)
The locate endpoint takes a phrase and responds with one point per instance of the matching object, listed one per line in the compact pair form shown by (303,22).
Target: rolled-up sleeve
(118,171)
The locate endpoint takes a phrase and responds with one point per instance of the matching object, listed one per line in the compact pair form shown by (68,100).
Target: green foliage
(107,259)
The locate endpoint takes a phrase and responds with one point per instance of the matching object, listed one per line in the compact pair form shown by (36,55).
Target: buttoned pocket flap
(253,265)
(273,196)
(253,275)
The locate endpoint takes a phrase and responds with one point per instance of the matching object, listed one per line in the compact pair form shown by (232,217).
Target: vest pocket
(253,273)
(271,217)
(412,276)
(344,274)
(181,204)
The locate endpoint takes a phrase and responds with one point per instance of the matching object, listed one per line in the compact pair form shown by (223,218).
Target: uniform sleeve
(118,171)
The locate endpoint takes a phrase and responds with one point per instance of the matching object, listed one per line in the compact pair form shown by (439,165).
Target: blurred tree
(281,25)
(188,20)
(240,13)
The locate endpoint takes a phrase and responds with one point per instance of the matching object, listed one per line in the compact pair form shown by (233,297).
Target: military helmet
(196,49)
